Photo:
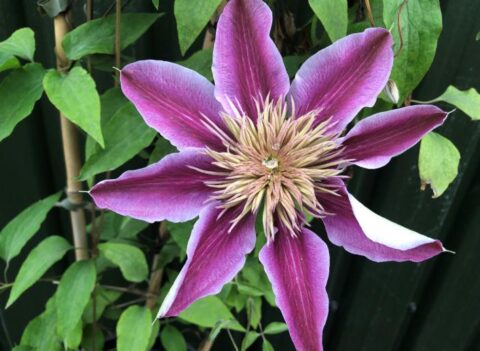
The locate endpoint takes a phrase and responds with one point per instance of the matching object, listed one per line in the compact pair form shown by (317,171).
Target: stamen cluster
(280,161)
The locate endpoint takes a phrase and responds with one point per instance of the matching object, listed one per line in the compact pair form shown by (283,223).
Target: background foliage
(53,302)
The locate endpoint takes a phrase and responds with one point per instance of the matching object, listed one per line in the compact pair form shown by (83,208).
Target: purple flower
(254,144)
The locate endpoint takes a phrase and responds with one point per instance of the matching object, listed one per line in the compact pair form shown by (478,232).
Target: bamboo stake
(71,151)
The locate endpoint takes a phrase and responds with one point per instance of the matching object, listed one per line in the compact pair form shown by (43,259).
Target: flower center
(281,161)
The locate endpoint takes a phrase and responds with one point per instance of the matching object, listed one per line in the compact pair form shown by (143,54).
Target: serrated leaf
(172,339)
(98,36)
(19,92)
(275,328)
(191,21)
(128,258)
(39,260)
(73,294)
(76,96)
(21,44)
(438,162)
(20,230)
(248,340)
(126,134)
(207,312)
(134,328)
(421,24)
(466,100)
(334,16)
(201,62)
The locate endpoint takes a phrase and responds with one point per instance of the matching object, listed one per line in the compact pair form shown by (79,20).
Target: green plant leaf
(73,294)
(155,4)
(334,16)
(19,92)
(20,230)
(437,163)
(134,328)
(21,44)
(98,36)
(103,298)
(161,149)
(254,311)
(76,96)
(172,339)
(466,100)
(248,340)
(126,134)
(8,62)
(180,233)
(191,21)
(39,260)
(40,332)
(128,258)
(74,338)
(421,24)
(275,328)
(208,311)
(266,346)
(201,62)
(88,338)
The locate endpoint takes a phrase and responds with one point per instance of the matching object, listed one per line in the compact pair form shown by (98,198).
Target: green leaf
(22,348)
(192,20)
(161,149)
(334,16)
(39,260)
(201,62)
(421,24)
(292,64)
(128,258)
(172,339)
(8,62)
(19,92)
(155,4)
(248,340)
(250,290)
(73,294)
(437,163)
(134,328)
(76,96)
(98,36)
(88,338)
(466,100)
(40,332)
(126,134)
(266,346)
(153,335)
(275,328)
(180,233)
(208,311)
(74,338)
(21,44)
(103,298)
(19,230)
(254,311)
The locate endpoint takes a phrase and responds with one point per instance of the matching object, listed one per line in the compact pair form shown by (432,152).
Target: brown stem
(399,26)
(206,345)
(71,151)
(156,274)
(369,13)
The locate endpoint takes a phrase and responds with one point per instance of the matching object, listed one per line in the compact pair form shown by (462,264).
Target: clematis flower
(256,145)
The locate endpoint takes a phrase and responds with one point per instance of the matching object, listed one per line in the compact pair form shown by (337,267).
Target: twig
(369,13)
(71,151)
(156,274)
(206,345)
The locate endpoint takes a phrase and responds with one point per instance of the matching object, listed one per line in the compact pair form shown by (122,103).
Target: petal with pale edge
(215,256)
(246,63)
(376,139)
(343,78)
(169,189)
(362,232)
(298,270)
(173,100)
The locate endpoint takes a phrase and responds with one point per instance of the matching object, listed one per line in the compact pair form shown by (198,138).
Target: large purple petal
(169,189)
(362,232)
(246,63)
(343,78)
(215,256)
(173,99)
(376,139)
(298,269)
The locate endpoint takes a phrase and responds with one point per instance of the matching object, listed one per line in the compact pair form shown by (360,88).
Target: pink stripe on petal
(169,189)
(246,62)
(215,256)
(345,77)
(173,99)
(362,232)
(298,270)
(376,139)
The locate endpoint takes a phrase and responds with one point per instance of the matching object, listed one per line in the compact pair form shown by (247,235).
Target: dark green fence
(429,306)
